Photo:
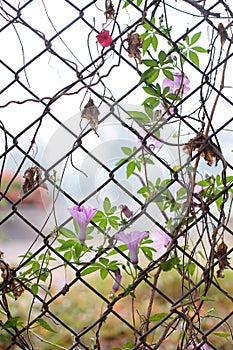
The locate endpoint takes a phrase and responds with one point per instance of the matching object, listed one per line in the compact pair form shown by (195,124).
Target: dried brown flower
(135,43)
(32,176)
(200,142)
(223,262)
(109,10)
(91,112)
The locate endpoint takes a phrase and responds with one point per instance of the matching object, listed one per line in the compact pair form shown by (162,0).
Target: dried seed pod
(91,113)
(223,261)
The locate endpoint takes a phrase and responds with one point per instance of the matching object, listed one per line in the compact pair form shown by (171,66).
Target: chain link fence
(89,118)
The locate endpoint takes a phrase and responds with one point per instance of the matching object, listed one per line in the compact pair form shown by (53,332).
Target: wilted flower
(117,280)
(132,240)
(135,43)
(104,38)
(91,113)
(178,85)
(126,211)
(151,141)
(83,216)
(160,239)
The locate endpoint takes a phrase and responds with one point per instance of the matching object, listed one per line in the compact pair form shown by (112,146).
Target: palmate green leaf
(194,58)
(157,317)
(195,38)
(13,322)
(45,325)
(130,169)
(150,63)
(146,44)
(199,49)
(139,116)
(107,204)
(169,264)
(90,269)
(67,233)
(128,151)
(154,42)
(103,273)
(150,91)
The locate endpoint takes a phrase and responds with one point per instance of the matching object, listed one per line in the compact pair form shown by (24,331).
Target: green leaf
(150,63)
(150,91)
(128,345)
(130,169)
(34,288)
(153,76)
(67,233)
(13,322)
(140,116)
(157,317)
(199,49)
(45,325)
(90,269)
(103,273)
(192,268)
(203,183)
(169,264)
(194,58)
(222,335)
(162,57)
(68,255)
(107,204)
(127,150)
(204,298)
(187,40)
(104,261)
(168,74)
(151,102)
(146,44)
(121,248)
(42,286)
(195,38)
(139,2)
(154,42)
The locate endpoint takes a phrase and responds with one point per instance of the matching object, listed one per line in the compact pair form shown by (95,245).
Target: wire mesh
(55,155)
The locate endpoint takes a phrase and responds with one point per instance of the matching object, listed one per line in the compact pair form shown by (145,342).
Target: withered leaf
(206,146)
(135,43)
(91,113)
(32,177)
(109,10)
(223,261)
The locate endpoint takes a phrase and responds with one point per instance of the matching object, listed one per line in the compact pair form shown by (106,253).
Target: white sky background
(47,75)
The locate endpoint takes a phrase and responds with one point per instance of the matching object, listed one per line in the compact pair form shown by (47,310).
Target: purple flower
(203,347)
(117,280)
(178,85)
(83,216)
(126,211)
(160,239)
(132,240)
(151,141)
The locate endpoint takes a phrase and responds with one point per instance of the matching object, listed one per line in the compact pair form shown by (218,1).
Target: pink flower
(160,239)
(117,280)
(151,141)
(197,189)
(83,216)
(126,211)
(178,85)
(132,240)
(104,39)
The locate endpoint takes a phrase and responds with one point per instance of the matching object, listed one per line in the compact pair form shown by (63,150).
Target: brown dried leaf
(135,43)
(197,143)
(109,10)
(223,262)
(32,176)
(91,113)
